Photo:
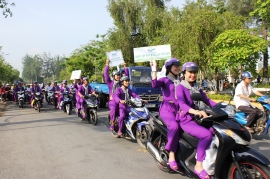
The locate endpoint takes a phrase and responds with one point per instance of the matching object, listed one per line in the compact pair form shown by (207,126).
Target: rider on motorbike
(188,110)
(242,100)
(168,108)
(63,89)
(113,84)
(35,88)
(83,90)
(47,88)
(121,96)
(19,87)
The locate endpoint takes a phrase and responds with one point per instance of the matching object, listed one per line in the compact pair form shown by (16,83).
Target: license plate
(150,105)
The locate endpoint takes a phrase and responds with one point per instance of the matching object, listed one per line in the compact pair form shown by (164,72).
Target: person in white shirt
(145,77)
(242,100)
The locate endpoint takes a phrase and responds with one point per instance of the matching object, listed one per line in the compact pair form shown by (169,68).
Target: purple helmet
(172,61)
(85,78)
(190,66)
(64,82)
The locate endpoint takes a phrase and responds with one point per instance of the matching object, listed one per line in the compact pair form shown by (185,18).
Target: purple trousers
(114,108)
(15,95)
(204,135)
(167,113)
(123,111)
(80,104)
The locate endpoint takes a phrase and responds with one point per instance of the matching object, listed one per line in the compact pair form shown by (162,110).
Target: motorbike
(27,96)
(37,101)
(263,121)
(50,97)
(66,104)
(73,92)
(233,159)
(135,122)
(90,106)
(20,98)
(56,98)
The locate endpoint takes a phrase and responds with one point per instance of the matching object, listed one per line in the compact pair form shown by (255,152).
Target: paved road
(52,145)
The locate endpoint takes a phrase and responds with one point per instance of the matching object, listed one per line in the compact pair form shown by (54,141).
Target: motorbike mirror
(232,92)
(196,97)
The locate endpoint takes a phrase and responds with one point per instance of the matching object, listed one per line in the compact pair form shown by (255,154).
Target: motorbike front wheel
(249,170)
(21,104)
(38,106)
(142,136)
(68,109)
(93,117)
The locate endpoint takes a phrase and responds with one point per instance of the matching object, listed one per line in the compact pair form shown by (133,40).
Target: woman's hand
(81,96)
(123,101)
(145,101)
(201,114)
(107,61)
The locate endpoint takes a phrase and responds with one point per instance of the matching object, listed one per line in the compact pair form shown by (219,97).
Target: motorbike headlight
(236,137)
(229,110)
(160,98)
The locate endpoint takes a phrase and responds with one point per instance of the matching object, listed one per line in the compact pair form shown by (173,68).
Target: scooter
(55,99)
(50,97)
(73,92)
(66,104)
(263,121)
(233,157)
(135,123)
(37,102)
(20,98)
(90,106)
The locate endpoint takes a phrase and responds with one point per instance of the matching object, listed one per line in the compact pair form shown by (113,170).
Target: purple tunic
(185,103)
(55,88)
(120,95)
(109,81)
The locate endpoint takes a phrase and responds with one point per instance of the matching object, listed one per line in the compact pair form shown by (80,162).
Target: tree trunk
(265,54)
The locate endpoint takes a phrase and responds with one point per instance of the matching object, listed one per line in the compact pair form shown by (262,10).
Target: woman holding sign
(113,84)
(169,106)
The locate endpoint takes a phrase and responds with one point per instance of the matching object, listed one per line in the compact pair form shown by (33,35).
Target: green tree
(89,58)
(236,50)
(262,11)
(136,24)
(192,30)
(8,73)
(32,66)
(4,4)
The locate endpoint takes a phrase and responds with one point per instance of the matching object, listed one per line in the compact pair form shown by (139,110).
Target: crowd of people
(177,109)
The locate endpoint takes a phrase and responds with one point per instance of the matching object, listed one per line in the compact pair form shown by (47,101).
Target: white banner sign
(76,74)
(160,52)
(116,57)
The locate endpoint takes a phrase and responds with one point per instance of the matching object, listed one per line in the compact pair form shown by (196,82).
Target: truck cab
(141,84)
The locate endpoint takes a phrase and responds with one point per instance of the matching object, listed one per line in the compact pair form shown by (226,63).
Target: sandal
(120,135)
(173,165)
(203,174)
(111,128)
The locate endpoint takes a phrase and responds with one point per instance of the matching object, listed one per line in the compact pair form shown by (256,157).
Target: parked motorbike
(234,159)
(263,121)
(90,106)
(37,101)
(135,123)
(20,98)
(50,97)
(66,104)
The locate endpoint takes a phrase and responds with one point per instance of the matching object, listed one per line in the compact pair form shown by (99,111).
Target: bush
(224,97)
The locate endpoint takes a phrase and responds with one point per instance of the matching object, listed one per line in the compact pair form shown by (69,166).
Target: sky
(57,27)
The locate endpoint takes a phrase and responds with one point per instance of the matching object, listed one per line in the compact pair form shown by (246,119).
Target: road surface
(51,144)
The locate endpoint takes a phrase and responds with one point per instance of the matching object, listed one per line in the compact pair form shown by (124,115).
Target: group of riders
(177,109)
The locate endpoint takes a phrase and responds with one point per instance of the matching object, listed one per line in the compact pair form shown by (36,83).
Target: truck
(137,84)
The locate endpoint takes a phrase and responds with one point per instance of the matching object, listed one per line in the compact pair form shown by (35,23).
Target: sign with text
(160,52)
(76,74)
(116,57)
